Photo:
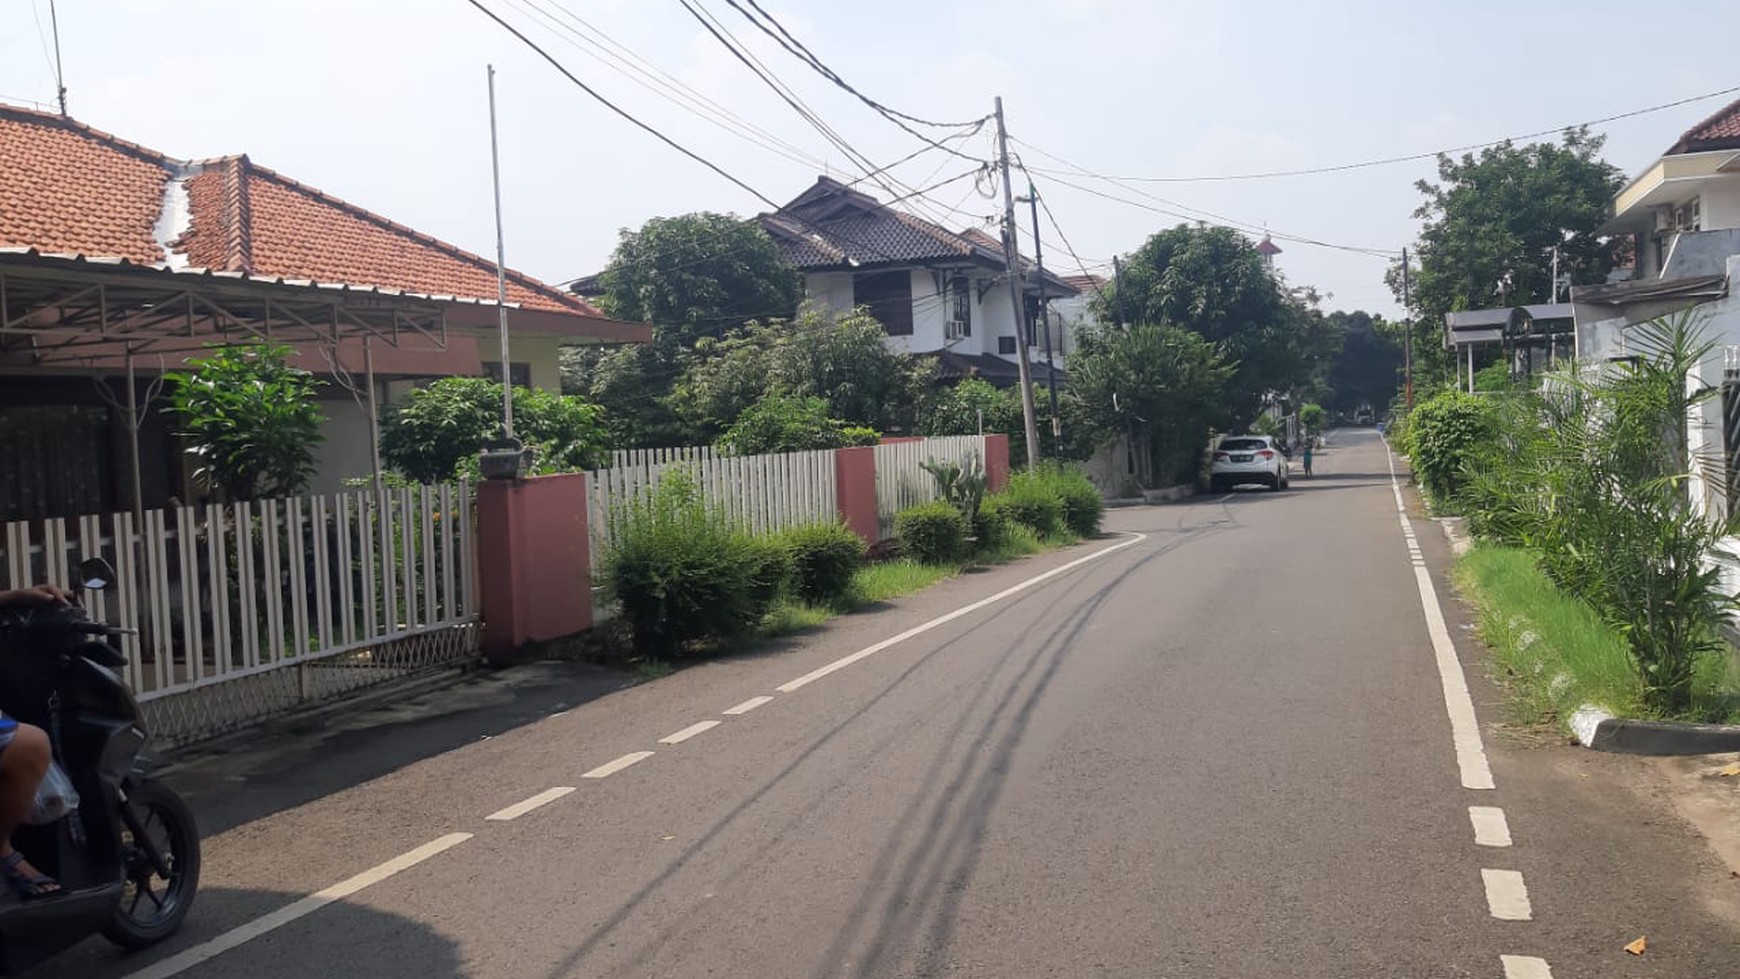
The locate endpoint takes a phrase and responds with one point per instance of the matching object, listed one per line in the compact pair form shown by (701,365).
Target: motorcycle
(127,859)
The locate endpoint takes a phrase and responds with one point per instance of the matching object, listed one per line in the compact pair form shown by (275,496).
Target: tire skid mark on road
(944,619)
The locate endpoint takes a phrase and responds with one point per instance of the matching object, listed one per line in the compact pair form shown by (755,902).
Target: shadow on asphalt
(374,943)
(298,761)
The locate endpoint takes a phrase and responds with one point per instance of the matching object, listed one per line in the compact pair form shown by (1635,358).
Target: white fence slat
(426,522)
(368,510)
(346,581)
(322,575)
(248,617)
(297,560)
(193,634)
(448,527)
(217,587)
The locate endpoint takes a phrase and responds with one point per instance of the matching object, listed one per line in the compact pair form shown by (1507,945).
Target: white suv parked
(1248,459)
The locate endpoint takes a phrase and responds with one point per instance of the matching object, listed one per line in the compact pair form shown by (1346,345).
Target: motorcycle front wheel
(152,906)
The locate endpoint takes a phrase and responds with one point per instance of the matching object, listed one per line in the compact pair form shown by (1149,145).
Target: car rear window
(1242,445)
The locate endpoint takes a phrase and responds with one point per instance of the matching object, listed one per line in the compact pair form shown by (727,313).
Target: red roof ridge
(1721,126)
(522,279)
(57,120)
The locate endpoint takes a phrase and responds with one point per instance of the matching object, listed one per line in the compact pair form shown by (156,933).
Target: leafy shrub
(824,559)
(933,533)
(1082,507)
(434,433)
(251,420)
(1444,433)
(1029,503)
(1312,416)
(961,488)
(685,573)
(781,423)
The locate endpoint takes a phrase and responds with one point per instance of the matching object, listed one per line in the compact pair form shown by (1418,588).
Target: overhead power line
(797,50)
(1414,157)
(1179,211)
(624,113)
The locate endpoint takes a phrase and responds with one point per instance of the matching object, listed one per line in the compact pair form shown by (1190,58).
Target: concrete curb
(1597,729)
(1169,494)
(1456,530)
(172,760)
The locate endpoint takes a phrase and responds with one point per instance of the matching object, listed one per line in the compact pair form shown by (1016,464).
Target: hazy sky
(383,103)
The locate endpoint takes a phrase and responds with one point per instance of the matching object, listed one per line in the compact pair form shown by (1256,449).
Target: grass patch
(651,669)
(891,579)
(792,616)
(1556,654)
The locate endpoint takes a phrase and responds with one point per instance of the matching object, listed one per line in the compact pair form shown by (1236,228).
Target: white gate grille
(245,610)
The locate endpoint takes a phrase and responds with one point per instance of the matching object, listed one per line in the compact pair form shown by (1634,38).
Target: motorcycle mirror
(96,574)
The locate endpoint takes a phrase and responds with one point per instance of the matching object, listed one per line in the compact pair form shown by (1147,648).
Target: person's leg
(23,762)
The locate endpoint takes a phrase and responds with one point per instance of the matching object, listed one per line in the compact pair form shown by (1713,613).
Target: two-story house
(934,290)
(1683,216)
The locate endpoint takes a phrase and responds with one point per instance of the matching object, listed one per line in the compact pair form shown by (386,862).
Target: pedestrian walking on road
(1307,457)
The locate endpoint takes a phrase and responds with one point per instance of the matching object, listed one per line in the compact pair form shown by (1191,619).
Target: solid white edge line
(1490,826)
(689,732)
(1464,725)
(747,705)
(940,620)
(182,961)
(519,809)
(1525,967)
(1507,898)
(612,767)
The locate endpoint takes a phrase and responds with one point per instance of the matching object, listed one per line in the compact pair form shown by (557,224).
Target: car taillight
(1265,455)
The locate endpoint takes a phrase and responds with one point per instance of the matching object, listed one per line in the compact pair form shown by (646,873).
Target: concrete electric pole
(1012,264)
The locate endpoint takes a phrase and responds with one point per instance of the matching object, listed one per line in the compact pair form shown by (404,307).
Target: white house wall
(1719,206)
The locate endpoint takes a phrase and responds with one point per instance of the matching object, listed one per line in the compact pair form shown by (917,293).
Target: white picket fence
(764,493)
(902,481)
(239,611)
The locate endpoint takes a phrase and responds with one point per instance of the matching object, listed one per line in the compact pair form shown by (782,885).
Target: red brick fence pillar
(534,561)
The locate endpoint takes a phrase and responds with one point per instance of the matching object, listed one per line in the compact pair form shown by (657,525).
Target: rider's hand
(39,595)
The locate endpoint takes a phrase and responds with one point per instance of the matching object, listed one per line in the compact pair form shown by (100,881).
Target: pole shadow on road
(354,940)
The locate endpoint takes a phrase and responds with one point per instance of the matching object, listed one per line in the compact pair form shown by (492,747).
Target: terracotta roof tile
(1720,131)
(67,188)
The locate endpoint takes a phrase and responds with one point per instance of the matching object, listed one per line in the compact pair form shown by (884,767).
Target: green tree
(1213,282)
(1364,370)
(697,275)
(435,433)
(1163,386)
(251,419)
(844,360)
(1492,223)
(631,384)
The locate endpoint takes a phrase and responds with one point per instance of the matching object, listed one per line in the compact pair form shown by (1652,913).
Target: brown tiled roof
(1721,131)
(1086,283)
(67,188)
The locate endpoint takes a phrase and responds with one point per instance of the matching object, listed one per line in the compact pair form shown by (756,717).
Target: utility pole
(59,77)
(1407,336)
(507,371)
(1032,199)
(1118,290)
(1012,266)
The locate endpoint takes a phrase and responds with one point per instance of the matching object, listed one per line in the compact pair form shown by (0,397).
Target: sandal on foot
(27,884)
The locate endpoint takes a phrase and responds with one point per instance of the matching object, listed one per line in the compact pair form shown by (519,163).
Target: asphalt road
(1220,750)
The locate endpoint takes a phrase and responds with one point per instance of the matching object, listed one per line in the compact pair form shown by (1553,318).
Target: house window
(1689,216)
(960,308)
(889,297)
(1006,345)
(521,372)
(1031,324)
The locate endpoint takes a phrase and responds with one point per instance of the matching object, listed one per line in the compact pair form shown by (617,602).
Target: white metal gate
(245,610)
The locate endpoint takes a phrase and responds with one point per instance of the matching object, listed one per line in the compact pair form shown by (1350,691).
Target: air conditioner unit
(955,329)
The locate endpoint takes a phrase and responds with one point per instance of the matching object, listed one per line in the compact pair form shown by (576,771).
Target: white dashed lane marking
(1490,827)
(610,768)
(177,964)
(1506,897)
(519,809)
(1525,967)
(749,705)
(689,732)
